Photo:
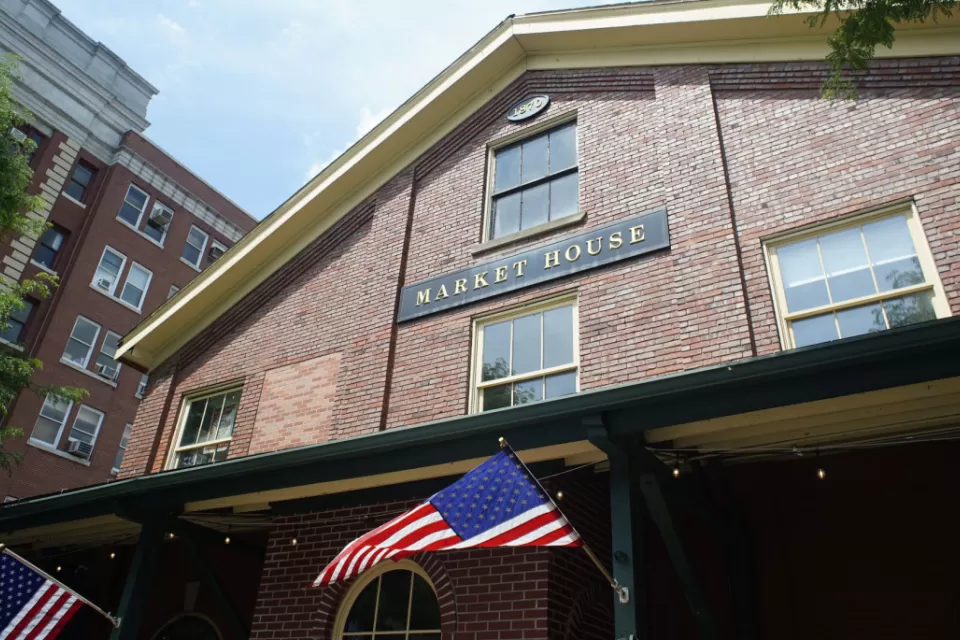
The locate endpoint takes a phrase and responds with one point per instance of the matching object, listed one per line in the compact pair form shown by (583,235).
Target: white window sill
(73,200)
(141,233)
(12,345)
(43,446)
(116,299)
(44,268)
(73,365)
(532,232)
(190,264)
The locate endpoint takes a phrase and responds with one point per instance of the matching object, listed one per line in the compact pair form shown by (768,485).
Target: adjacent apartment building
(713,312)
(130,226)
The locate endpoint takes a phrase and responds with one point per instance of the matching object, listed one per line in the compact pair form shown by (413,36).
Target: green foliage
(16,367)
(864,24)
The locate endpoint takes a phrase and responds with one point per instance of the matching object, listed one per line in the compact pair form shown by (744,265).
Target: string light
(293,541)
(821,473)
(170,536)
(676,466)
(113,554)
(559,495)
(226,540)
(59,568)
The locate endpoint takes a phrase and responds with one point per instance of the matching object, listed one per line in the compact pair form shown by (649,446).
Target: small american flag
(498,504)
(31,606)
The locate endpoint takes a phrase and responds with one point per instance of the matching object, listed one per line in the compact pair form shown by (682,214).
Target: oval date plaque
(527,108)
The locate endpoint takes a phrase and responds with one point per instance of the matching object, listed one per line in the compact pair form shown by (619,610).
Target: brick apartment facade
(83,170)
(731,464)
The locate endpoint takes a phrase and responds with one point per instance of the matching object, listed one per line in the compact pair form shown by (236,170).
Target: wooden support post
(235,627)
(142,576)
(626,524)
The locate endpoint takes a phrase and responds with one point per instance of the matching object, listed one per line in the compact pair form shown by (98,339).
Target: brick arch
(332,597)
(587,600)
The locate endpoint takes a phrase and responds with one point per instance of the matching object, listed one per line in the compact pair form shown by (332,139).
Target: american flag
(498,504)
(31,606)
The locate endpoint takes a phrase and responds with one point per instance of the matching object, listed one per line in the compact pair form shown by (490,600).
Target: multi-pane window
(530,356)
(135,288)
(134,204)
(398,604)
(86,425)
(107,366)
(49,425)
(206,428)
(194,246)
(122,449)
(142,385)
(49,246)
(158,222)
(108,271)
(534,181)
(864,277)
(17,321)
(82,338)
(80,181)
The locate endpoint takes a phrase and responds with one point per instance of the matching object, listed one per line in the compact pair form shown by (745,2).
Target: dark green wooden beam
(140,579)
(235,629)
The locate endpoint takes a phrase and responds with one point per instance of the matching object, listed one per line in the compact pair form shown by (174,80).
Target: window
(217,249)
(107,367)
(135,288)
(80,181)
(393,601)
(173,291)
(108,271)
(206,428)
(534,181)
(194,246)
(37,137)
(82,339)
(49,426)
(18,321)
(530,356)
(142,386)
(122,449)
(846,280)
(133,206)
(86,425)
(158,223)
(51,242)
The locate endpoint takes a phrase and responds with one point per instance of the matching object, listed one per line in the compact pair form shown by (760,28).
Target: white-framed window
(860,275)
(80,344)
(142,385)
(526,355)
(108,271)
(53,416)
(205,428)
(136,285)
(134,204)
(86,426)
(194,247)
(122,449)
(107,366)
(390,601)
(17,321)
(173,291)
(158,222)
(533,181)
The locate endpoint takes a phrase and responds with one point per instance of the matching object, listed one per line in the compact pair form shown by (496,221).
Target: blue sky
(256,96)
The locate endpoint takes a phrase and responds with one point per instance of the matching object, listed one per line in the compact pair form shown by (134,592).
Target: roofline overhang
(640,34)
(898,357)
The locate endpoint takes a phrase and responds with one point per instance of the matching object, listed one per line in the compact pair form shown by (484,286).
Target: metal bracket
(624,594)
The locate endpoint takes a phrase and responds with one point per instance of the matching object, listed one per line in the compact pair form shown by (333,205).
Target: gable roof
(660,32)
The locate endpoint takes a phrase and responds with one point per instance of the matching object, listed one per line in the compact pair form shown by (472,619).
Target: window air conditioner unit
(216,252)
(18,135)
(105,371)
(80,449)
(104,284)
(161,217)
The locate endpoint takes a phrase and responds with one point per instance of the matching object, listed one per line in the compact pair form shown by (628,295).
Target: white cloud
(368,120)
(170,26)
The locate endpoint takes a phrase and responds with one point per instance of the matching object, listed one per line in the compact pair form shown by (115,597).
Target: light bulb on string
(226,540)
(59,568)
(293,541)
(113,555)
(820,472)
(676,466)
(559,495)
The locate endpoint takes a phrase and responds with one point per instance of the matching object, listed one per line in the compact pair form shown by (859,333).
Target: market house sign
(595,248)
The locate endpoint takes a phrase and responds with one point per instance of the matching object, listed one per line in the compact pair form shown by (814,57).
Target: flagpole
(114,621)
(622,592)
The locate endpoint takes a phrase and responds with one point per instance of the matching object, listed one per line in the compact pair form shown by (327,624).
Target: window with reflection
(399,604)
(206,428)
(864,277)
(526,357)
(535,181)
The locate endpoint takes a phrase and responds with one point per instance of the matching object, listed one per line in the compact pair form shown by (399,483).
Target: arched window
(392,601)
(188,627)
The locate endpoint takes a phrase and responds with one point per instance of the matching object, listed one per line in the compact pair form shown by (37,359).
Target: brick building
(709,307)
(130,227)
